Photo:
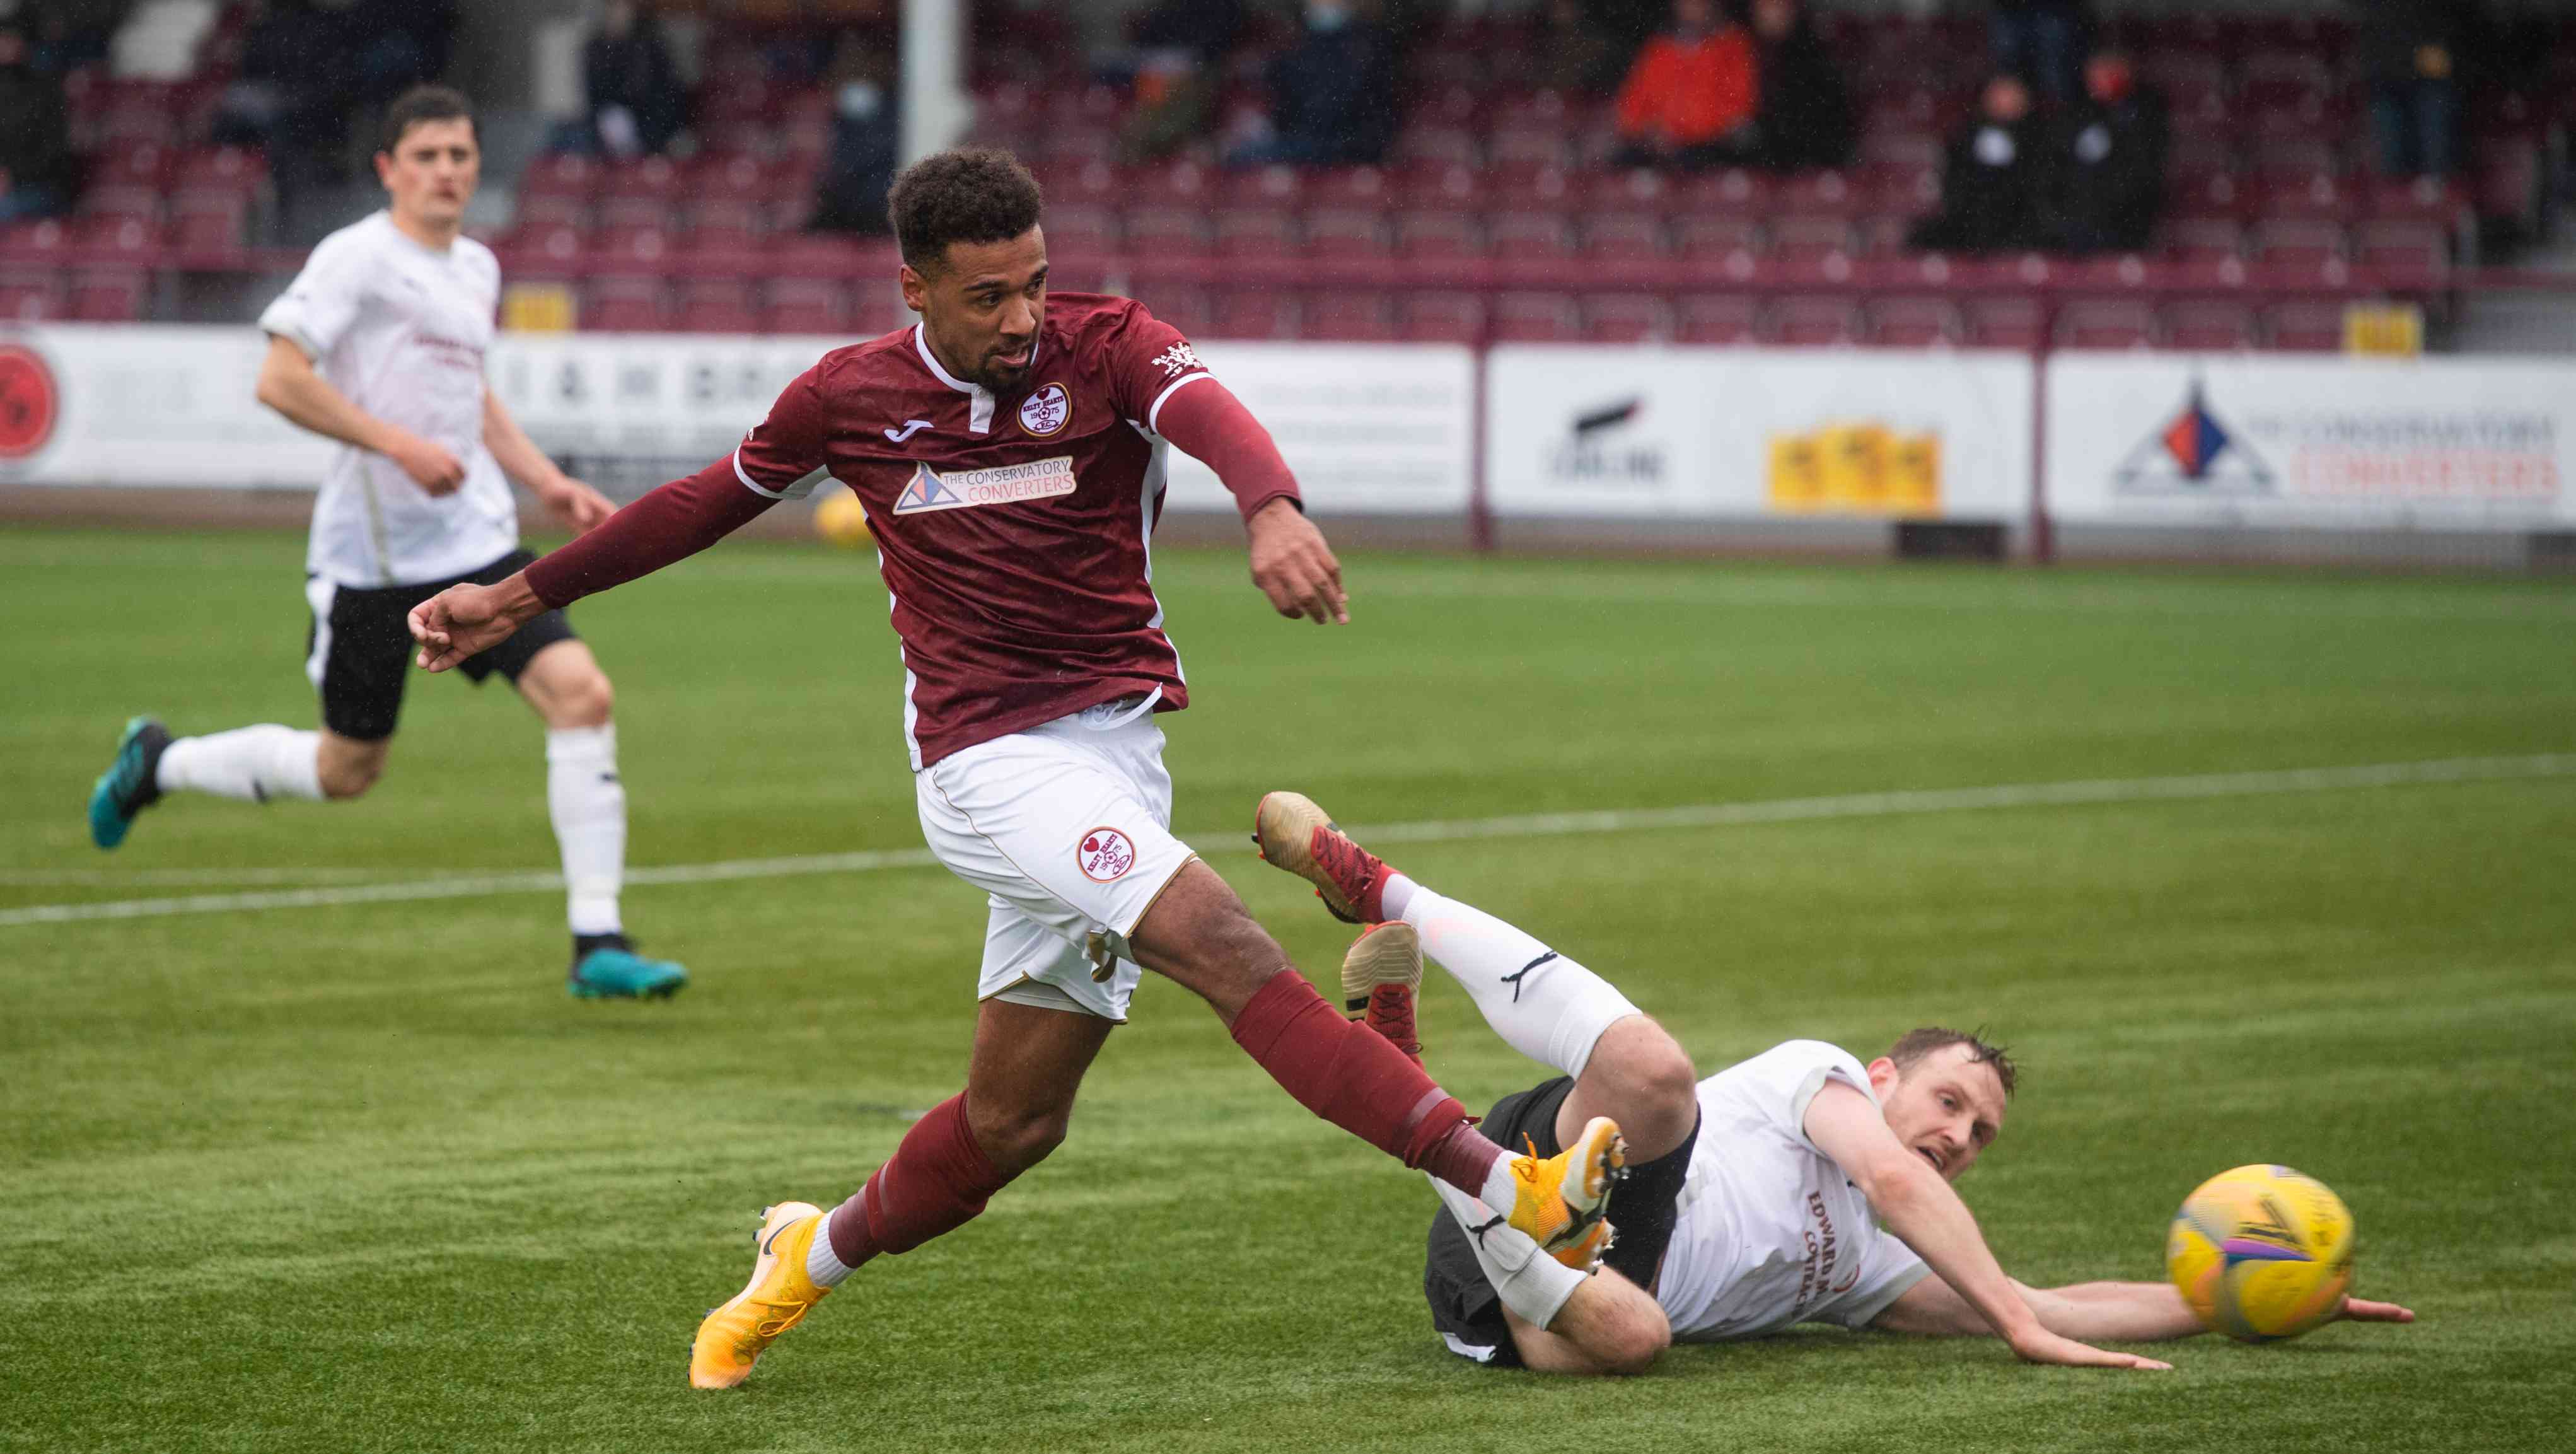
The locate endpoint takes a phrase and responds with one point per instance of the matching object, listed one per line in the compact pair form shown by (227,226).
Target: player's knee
(1649,1077)
(348,777)
(1630,1343)
(1015,1140)
(585,701)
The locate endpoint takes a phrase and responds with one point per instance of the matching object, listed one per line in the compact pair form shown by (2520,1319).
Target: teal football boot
(130,784)
(606,967)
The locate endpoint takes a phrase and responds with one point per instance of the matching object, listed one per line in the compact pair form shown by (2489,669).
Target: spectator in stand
(1691,95)
(1990,197)
(1575,56)
(1805,118)
(38,173)
(2107,161)
(65,35)
(2044,42)
(1180,44)
(1332,96)
(2410,49)
(636,101)
(859,167)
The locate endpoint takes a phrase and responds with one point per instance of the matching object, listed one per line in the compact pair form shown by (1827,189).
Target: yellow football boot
(775,1300)
(1381,978)
(1559,1199)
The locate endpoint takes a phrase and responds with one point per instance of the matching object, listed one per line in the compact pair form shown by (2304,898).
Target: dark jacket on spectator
(1805,116)
(2108,166)
(2394,31)
(35,143)
(1333,96)
(634,71)
(1990,190)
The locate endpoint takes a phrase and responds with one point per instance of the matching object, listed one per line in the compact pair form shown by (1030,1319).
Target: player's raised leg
(253,764)
(586,798)
(1028,1061)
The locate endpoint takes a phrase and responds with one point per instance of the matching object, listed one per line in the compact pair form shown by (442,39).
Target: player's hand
(1294,568)
(2357,1310)
(576,504)
(428,463)
(2042,1346)
(463,620)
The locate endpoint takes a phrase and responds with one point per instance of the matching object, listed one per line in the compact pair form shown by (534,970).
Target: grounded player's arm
(576,504)
(2120,1312)
(667,525)
(1290,562)
(1912,1201)
(289,384)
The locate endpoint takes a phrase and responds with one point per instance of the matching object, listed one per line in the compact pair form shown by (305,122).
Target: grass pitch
(359,1176)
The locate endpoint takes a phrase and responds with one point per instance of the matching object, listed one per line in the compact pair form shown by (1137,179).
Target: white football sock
(823,1266)
(1397,893)
(1532,1284)
(1543,1004)
(588,804)
(253,764)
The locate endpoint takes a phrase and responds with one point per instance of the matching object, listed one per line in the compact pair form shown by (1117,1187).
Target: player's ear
(385,170)
(1883,1076)
(916,290)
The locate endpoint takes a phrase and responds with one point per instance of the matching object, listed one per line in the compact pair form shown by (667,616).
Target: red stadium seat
(2106,323)
(1739,191)
(718,305)
(1248,314)
(635,248)
(876,307)
(30,297)
(2210,327)
(1337,316)
(1419,147)
(1913,150)
(131,240)
(1536,318)
(713,175)
(1438,235)
(2318,194)
(1813,322)
(553,209)
(107,295)
(1627,191)
(1437,187)
(1091,231)
(1902,322)
(2299,244)
(805,305)
(561,174)
(1353,189)
(2006,323)
(1530,236)
(1806,241)
(2411,256)
(2204,239)
(1262,234)
(1626,318)
(1441,318)
(209,220)
(1623,237)
(624,304)
(1821,193)
(1705,238)
(1166,232)
(2306,326)
(113,199)
(727,223)
(1182,185)
(1335,232)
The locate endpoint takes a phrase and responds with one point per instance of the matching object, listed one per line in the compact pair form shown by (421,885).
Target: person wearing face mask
(1805,116)
(1332,97)
(1691,94)
(1990,184)
(1800,1186)
(38,172)
(2107,161)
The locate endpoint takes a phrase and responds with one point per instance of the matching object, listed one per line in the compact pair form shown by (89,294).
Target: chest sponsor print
(1105,854)
(1046,411)
(1008,484)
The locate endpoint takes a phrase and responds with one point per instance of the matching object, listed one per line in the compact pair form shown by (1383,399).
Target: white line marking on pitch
(1531,825)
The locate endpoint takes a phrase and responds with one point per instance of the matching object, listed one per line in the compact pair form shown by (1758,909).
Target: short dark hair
(424,103)
(1913,1045)
(960,196)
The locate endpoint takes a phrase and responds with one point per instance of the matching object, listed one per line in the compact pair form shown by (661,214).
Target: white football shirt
(401,329)
(1770,1231)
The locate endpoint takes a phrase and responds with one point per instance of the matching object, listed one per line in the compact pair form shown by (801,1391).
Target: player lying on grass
(1009,451)
(1799,1186)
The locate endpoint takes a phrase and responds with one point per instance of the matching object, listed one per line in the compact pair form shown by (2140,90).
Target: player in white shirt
(1798,1186)
(379,343)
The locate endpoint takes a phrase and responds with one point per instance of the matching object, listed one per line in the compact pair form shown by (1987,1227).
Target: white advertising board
(1709,434)
(1368,428)
(1376,429)
(2335,443)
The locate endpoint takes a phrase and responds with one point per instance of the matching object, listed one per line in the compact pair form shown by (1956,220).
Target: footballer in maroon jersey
(1008,450)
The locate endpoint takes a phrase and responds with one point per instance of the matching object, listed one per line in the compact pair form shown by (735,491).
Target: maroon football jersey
(1015,531)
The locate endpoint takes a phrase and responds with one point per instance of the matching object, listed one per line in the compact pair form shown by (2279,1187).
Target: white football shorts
(1067,828)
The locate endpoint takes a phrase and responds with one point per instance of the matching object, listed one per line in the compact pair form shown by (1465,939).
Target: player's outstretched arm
(569,500)
(2118,1312)
(1290,561)
(1912,1200)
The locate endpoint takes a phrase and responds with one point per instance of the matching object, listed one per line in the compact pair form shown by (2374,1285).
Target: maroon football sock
(1350,1076)
(936,1182)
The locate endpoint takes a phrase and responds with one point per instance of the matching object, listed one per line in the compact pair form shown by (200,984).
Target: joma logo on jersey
(1006,484)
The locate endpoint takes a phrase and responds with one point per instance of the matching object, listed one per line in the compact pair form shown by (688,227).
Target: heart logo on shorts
(1105,854)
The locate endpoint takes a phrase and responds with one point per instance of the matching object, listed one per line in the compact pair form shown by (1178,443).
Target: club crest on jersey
(1105,854)
(1001,485)
(1045,412)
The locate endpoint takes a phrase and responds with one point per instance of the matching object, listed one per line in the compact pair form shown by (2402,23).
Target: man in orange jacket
(1690,97)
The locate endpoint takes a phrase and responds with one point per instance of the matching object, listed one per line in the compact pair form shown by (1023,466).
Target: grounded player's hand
(2359,1311)
(578,505)
(2041,1346)
(1294,568)
(428,463)
(457,623)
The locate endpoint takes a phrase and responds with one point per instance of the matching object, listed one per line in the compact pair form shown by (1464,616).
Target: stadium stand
(1495,216)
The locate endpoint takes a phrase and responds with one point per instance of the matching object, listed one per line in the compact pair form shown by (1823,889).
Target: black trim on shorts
(370,651)
(1642,1213)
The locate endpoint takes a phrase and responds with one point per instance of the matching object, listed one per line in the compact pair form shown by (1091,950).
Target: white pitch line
(2198,787)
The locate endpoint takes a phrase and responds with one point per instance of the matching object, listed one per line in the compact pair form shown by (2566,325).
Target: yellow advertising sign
(1856,468)
(2394,329)
(537,308)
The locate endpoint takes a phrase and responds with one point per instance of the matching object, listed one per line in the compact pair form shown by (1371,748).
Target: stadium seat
(1623,237)
(1806,241)
(2106,323)
(1188,309)
(724,223)
(1437,187)
(561,174)
(1702,239)
(1338,232)
(1809,322)
(805,305)
(1248,314)
(2210,327)
(1529,236)
(553,209)
(1913,150)
(1166,232)
(1535,318)
(131,240)
(2305,325)
(1902,322)
(1262,235)
(107,295)
(1427,235)
(30,297)
(209,221)
(2318,194)
(1828,193)
(1440,317)
(1418,148)
(1352,189)
(2411,256)
(634,248)
(1339,316)
(1089,231)
(2296,243)
(713,175)
(2204,239)
(1625,318)
(1182,186)
(718,305)
(623,304)
(1737,192)
(2006,323)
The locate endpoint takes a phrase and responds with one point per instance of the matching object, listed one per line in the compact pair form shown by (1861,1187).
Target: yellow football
(842,520)
(2261,1253)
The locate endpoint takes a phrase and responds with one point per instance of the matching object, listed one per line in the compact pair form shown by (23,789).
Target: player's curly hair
(1913,1045)
(960,196)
